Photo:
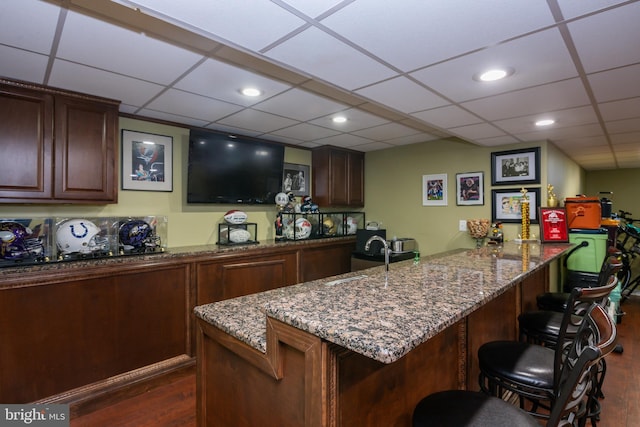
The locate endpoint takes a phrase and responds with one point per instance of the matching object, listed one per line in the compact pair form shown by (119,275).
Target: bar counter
(359,338)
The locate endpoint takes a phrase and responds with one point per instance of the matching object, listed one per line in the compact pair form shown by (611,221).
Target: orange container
(583,212)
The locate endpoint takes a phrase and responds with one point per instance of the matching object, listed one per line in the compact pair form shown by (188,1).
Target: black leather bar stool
(531,372)
(462,408)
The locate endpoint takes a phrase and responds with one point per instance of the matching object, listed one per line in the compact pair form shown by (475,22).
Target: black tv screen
(233,170)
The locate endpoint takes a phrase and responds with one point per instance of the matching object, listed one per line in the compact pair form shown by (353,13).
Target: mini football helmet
(16,243)
(80,236)
(137,233)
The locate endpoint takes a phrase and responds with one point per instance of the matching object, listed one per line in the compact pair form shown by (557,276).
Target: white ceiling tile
(114,48)
(563,118)
(241,22)
(584,142)
(343,140)
(28,24)
(537,59)
(572,8)
(623,126)
(561,133)
(356,120)
(550,97)
(102,83)
(608,47)
(372,146)
(386,131)
(23,65)
(402,94)
(632,138)
(447,117)
(257,121)
(496,141)
(321,55)
(187,104)
(300,105)
(224,82)
(616,84)
(281,139)
(433,31)
(616,110)
(306,132)
(412,139)
(232,130)
(313,8)
(160,115)
(477,131)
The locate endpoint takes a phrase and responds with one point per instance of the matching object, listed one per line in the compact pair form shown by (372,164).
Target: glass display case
(84,238)
(142,235)
(301,226)
(25,241)
(237,234)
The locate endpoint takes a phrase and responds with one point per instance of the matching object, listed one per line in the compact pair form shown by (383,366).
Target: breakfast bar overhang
(363,348)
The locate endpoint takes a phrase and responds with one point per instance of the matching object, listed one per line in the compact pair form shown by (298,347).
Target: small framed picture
(295,178)
(434,190)
(470,188)
(553,225)
(515,167)
(506,204)
(147,161)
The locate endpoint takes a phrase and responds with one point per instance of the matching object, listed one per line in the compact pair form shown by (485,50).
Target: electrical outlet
(462,226)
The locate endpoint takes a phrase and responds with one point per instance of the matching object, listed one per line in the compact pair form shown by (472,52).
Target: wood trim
(92,397)
(57,91)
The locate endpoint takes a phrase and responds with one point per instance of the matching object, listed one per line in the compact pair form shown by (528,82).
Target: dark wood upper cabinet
(338,177)
(57,146)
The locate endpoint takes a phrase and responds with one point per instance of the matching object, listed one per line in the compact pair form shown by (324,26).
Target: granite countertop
(385,320)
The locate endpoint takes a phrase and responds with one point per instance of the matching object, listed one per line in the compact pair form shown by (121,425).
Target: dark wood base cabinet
(303,380)
(92,334)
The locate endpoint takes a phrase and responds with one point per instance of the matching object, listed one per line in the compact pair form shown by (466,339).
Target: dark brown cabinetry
(58,146)
(338,177)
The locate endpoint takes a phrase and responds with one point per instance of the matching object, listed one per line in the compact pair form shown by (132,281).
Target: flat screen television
(233,170)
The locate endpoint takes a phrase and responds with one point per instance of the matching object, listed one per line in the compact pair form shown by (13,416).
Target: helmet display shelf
(302,226)
(25,241)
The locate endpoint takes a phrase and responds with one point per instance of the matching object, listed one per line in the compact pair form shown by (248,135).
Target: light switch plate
(463,225)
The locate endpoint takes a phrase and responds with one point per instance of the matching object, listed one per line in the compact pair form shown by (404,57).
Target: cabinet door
(230,278)
(326,261)
(26,133)
(339,178)
(356,179)
(85,146)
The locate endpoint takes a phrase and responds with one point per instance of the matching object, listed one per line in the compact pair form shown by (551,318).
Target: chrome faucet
(386,253)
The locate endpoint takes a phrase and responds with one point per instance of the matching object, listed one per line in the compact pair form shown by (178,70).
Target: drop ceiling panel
(386,131)
(558,135)
(480,130)
(496,141)
(412,139)
(168,117)
(344,140)
(28,24)
(403,95)
(306,132)
(616,84)
(257,121)
(616,110)
(224,82)
(632,138)
(356,120)
(433,31)
(563,119)
(572,8)
(187,104)
(319,54)
(313,8)
(300,105)
(240,22)
(601,50)
(537,59)
(550,97)
(623,126)
(113,48)
(80,78)
(448,117)
(22,65)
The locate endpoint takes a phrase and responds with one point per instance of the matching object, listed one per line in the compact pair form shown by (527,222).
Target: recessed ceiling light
(493,75)
(339,119)
(250,91)
(545,122)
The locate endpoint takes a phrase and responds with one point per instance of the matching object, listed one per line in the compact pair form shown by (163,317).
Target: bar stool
(462,408)
(531,372)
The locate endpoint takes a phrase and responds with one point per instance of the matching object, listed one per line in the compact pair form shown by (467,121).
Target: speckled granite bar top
(384,321)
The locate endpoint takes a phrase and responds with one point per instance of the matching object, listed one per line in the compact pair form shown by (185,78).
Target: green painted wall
(624,185)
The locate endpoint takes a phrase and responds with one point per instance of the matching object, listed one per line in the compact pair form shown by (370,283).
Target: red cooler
(583,212)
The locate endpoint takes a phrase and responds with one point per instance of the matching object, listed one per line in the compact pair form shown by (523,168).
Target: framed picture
(553,225)
(147,161)
(434,190)
(470,188)
(295,178)
(515,167)
(505,205)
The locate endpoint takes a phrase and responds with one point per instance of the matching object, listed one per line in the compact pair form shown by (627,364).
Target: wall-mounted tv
(233,169)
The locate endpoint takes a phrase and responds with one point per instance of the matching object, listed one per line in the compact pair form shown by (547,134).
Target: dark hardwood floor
(174,404)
